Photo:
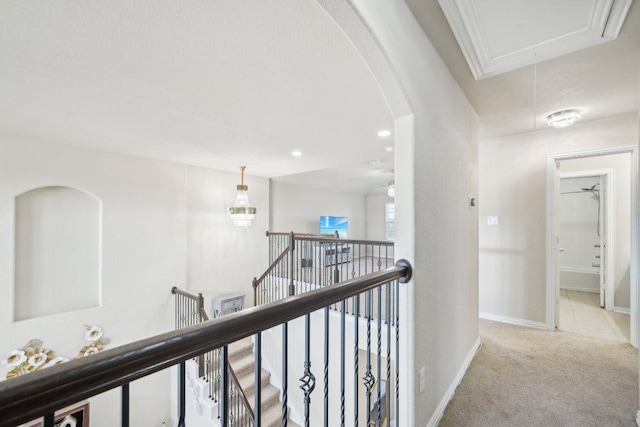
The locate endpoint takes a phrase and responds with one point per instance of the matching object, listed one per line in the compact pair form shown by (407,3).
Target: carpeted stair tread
(272,417)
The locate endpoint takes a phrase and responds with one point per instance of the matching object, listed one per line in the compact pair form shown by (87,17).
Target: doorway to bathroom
(592,256)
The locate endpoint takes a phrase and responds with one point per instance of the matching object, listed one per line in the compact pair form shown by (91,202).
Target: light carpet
(529,377)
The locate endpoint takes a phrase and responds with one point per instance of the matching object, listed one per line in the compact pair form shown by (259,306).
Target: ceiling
(601,81)
(223,83)
(210,83)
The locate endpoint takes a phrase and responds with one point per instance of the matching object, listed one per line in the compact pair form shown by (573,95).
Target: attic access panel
(497,36)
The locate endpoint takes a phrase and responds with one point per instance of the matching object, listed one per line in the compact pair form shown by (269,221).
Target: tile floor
(580,312)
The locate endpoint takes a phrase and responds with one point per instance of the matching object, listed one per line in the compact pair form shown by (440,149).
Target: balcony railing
(303,262)
(40,393)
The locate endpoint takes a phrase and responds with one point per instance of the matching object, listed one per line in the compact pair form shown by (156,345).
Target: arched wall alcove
(58,245)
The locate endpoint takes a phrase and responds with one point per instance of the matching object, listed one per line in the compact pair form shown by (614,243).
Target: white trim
(638,418)
(551,232)
(437,415)
(514,321)
(576,270)
(577,289)
(622,310)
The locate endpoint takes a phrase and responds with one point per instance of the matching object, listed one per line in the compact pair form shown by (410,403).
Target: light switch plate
(492,220)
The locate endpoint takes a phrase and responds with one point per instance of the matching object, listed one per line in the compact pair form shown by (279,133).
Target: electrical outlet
(423,379)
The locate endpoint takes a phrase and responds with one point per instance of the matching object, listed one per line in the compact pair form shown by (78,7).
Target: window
(390,220)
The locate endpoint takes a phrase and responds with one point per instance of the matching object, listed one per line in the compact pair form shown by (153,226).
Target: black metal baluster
(326,367)
(285,374)
(397,325)
(181,394)
(369,380)
(388,322)
(124,414)
(342,361)
(308,379)
(356,359)
(224,386)
(257,412)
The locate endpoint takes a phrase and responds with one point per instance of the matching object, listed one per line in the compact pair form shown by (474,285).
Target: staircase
(242,360)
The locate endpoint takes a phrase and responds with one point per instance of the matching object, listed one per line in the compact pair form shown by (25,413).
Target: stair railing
(190,310)
(39,394)
(302,262)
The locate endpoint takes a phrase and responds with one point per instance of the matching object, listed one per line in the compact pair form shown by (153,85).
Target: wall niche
(58,245)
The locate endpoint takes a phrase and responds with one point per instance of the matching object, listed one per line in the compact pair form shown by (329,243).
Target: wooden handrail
(243,397)
(323,238)
(273,265)
(328,239)
(28,397)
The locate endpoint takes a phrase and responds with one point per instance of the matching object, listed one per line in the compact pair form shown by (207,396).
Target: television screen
(331,224)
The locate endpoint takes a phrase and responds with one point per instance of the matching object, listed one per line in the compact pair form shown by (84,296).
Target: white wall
(376,224)
(221,258)
(436,166)
(297,208)
(160,229)
(621,166)
(513,187)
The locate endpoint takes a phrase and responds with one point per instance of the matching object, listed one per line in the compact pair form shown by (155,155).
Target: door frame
(609,230)
(552,205)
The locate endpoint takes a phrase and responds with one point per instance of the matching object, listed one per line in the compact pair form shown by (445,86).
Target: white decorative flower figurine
(91,350)
(94,333)
(15,358)
(38,359)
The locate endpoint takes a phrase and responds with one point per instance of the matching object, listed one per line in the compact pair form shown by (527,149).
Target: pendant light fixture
(241,212)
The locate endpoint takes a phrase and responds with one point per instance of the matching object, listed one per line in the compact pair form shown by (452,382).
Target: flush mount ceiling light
(241,212)
(391,189)
(389,148)
(296,153)
(384,133)
(563,118)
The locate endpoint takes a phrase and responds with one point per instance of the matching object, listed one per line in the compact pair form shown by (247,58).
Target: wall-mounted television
(331,224)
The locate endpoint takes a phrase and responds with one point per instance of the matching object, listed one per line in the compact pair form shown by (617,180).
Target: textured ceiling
(213,83)
(601,81)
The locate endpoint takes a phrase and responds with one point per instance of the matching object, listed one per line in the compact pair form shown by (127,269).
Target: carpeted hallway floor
(528,377)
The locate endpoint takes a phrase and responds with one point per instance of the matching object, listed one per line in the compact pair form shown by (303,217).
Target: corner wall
(436,170)
(513,187)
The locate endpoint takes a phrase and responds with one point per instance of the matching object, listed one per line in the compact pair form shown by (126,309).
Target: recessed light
(389,148)
(384,132)
(563,118)
(296,153)
(376,162)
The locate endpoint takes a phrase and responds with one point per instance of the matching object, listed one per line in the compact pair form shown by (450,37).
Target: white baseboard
(622,310)
(570,288)
(437,415)
(514,321)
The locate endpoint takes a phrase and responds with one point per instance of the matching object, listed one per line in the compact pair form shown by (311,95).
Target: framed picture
(71,416)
